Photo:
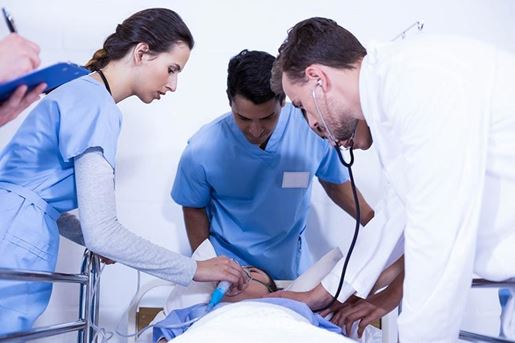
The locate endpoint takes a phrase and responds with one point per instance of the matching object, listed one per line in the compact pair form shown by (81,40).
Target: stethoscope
(354,191)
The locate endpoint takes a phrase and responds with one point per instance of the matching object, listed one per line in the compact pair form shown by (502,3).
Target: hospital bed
(134,323)
(197,293)
(181,297)
(88,279)
(388,323)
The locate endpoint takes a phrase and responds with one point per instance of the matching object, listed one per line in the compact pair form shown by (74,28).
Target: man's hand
(338,305)
(18,101)
(366,311)
(17,56)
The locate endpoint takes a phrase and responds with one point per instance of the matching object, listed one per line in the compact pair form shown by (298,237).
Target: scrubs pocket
(27,229)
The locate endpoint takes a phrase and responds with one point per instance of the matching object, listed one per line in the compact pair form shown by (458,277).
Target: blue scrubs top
(257,200)
(37,183)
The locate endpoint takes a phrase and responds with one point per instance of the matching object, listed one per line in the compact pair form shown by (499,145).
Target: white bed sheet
(256,322)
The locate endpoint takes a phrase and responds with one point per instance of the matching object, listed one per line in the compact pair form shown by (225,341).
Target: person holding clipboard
(63,157)
(17,57)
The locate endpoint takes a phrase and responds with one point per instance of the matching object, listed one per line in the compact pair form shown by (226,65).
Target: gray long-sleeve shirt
(104,235)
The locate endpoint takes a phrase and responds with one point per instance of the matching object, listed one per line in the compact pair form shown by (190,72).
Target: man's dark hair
(249,74)
(315,40)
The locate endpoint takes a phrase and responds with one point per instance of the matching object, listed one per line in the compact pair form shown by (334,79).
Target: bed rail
(88,305)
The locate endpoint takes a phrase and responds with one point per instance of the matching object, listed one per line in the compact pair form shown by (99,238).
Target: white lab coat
(379,244)
(442,116)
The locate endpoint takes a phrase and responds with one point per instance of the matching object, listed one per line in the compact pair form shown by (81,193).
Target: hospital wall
(153,136)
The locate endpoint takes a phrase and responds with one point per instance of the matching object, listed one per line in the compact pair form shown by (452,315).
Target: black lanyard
(105,80)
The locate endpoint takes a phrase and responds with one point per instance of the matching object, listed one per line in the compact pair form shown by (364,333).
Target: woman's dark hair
(248,75)
(311,41)
(160,28)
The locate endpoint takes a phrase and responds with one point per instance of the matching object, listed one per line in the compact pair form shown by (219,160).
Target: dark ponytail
(160,28)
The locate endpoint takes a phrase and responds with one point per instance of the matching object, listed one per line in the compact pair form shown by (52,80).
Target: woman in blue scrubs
(63,157)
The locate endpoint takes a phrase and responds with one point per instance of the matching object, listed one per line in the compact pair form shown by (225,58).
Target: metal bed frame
(88,279)
(474,337)
(464,335)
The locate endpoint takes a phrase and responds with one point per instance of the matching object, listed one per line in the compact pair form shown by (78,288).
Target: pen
(9,20)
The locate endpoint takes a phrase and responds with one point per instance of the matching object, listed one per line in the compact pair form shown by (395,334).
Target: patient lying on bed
(254,308)
(278,319)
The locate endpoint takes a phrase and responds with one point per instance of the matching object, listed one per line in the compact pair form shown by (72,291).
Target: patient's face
(258,286)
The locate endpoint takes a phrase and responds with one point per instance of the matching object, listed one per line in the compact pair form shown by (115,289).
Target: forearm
(396,286)
(104,235)
(197,225)
(389,275)
(319,297)
(341,195)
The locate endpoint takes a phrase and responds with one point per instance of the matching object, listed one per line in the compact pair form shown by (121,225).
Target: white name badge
(295,179)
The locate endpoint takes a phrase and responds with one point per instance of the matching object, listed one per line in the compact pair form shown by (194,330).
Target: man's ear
(316,74)
(139,52)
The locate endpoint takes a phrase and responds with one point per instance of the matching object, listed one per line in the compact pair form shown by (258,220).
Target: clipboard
(54,76)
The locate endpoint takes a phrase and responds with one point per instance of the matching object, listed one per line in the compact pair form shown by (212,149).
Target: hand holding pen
(18,56)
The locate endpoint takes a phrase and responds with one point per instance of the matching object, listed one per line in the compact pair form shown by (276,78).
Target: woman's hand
(221,268)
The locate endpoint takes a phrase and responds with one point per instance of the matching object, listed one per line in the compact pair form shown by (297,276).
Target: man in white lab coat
(441,112)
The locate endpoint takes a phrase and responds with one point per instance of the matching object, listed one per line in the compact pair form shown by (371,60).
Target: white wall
(154,135)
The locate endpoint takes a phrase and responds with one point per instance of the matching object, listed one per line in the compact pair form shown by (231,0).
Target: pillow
(315,274)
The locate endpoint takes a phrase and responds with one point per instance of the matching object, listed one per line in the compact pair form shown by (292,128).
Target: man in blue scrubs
(244,180)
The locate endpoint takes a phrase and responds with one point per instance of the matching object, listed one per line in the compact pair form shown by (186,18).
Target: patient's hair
(248,75)
(271,285)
